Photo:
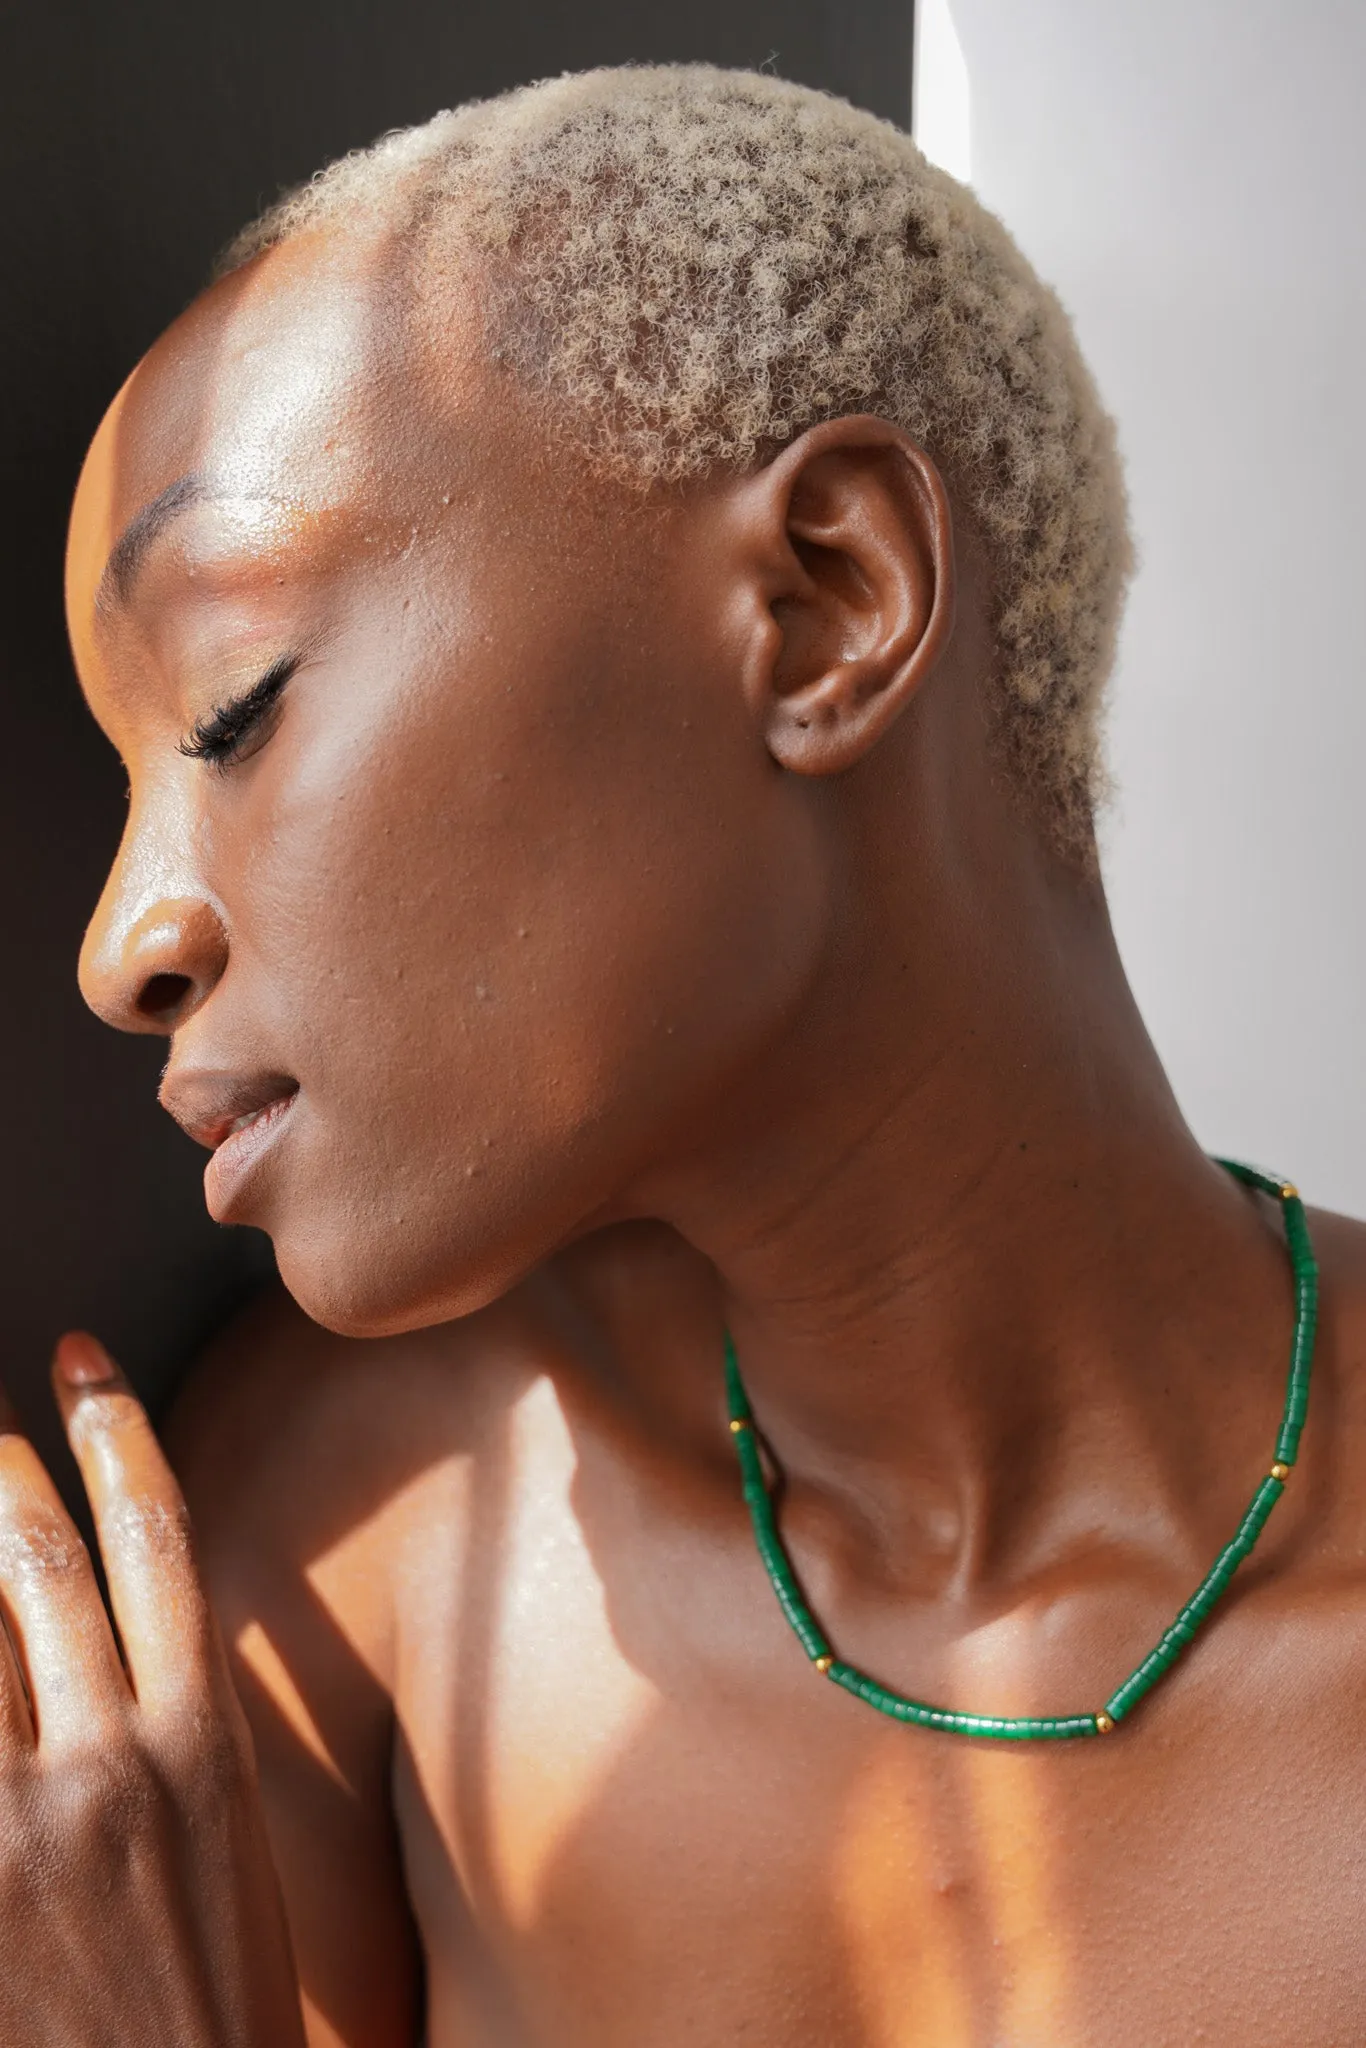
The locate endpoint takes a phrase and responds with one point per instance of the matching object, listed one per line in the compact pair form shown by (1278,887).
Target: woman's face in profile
(452,866)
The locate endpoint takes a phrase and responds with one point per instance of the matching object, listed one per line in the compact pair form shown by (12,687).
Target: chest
(630,1815)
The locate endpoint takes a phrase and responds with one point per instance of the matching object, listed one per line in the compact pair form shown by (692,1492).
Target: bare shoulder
(300,1452)
(308,1460)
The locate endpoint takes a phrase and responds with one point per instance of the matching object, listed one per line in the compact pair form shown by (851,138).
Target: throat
(988,1295)
(1108,1367)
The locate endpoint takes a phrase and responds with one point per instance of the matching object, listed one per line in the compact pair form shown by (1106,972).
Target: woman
(605,606)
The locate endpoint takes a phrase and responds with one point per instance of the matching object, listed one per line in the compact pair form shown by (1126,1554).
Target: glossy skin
(625,911)
(140,1899)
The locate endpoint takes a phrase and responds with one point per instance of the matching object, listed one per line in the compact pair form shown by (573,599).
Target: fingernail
(83,1361)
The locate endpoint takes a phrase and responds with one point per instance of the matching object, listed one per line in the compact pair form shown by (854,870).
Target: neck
(983,1284)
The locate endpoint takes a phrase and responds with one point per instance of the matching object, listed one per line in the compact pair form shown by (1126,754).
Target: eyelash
(221,734)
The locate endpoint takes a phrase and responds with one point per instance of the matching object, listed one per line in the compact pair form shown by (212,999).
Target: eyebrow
(145,527)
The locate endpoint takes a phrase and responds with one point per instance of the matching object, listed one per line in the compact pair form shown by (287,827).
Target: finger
(17,1733)
(16,1723)
(170,1639)
(51,1602)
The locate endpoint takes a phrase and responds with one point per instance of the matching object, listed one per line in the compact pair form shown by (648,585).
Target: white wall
(1191,176)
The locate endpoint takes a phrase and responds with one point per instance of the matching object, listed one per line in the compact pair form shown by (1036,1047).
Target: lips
(239,1118)
(213,1107)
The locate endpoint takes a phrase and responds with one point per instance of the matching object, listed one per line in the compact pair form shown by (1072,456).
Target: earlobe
(865,611)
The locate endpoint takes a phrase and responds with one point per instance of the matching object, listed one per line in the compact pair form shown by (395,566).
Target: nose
(150,972)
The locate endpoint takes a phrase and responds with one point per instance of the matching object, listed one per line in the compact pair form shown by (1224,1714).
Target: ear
(852,533)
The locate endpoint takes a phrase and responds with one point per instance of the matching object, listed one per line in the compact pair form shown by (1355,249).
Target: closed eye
(221,736)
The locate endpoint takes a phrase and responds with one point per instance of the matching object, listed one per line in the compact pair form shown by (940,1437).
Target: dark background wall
(135,137)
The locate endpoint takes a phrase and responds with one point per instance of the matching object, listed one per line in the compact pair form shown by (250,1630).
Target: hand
(139,1906)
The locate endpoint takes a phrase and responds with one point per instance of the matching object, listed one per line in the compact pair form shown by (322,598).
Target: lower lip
(238,1158)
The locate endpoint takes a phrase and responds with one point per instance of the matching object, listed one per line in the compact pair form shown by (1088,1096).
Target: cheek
(508,940)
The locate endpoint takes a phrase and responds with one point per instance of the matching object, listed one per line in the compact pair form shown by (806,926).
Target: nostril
(162,995)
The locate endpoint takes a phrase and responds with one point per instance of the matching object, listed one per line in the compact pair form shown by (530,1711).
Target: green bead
(1182,1631)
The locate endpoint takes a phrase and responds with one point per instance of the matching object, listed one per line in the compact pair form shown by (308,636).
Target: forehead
(285,399)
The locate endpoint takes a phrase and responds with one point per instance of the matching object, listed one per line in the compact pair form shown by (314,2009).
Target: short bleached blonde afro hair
(694,265)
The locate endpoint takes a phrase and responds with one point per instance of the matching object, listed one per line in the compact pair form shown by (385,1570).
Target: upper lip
(207,1104)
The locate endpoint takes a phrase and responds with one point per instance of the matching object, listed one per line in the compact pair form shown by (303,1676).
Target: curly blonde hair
(694,265)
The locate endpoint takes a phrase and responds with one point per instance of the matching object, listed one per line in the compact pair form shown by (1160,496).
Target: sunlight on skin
(919,1916)
(251,419)
(1014,1829)
(549,1750)
(287,418)
(93,534)
(900,1911)
(329,1577)
(321,2032)
(262,1659)
(1005,1813)
(555,1769)
(262,530)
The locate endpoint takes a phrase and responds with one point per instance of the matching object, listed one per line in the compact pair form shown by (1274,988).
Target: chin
(422,1247)
(374,1290)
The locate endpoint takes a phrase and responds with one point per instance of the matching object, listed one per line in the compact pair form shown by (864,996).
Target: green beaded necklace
(1058,1728)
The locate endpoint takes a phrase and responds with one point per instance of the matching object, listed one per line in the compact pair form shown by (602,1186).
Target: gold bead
(1104,1725)
(1289,1192)
(1280,1471)
(823,1664)
(738,1423)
